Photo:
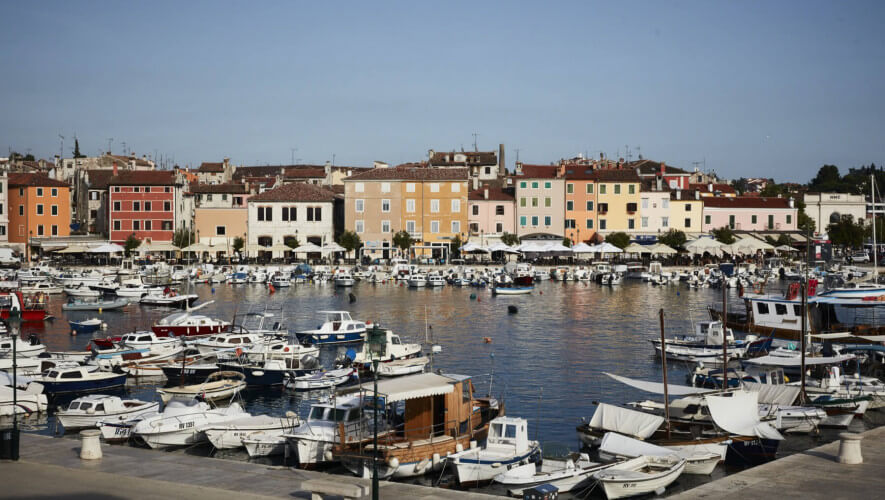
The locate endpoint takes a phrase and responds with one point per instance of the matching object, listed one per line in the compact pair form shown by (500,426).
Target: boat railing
(399,436)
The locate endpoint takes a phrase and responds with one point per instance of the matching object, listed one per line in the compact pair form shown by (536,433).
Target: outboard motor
(33,339)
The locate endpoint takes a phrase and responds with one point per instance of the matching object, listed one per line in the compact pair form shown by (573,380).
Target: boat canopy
(783,395)
(618,444)
(625,421)
(411,387)
(657,387)
(739,414)
(795,361)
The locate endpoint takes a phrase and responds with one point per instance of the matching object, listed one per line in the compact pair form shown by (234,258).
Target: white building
(654,208)
(4,207)
(301,211)
(826,208)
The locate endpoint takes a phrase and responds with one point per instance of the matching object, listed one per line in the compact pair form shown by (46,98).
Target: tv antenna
(517,154)
(293,154)
(627,153)
(61,149)
(110,143)
(475,135)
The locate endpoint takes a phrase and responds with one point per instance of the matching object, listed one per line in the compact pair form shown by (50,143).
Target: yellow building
(617,200)
(429,203)
(686,211)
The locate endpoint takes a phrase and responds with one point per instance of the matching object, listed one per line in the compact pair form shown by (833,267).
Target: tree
(239,243)
(827,179)
(673,238)
(455,246)
(350,241)
(291,241)
(740,185)
(847,232)
(620,240)
(77,149)
(724,235)
(132,242)
(183,238)
(772,190)
(567,242)
(510,239)
(403,240)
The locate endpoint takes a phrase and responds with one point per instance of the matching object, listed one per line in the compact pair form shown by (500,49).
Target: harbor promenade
(811,474)
(51,468)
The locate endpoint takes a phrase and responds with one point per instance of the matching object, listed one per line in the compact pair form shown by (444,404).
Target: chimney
(328,167)
(519,168)
(697,194)
(560,172)
(678,194)
(710,187)
(485,194)
(475,183)
(502,165)
(115,169)
(792,203)
(659,181)
(663,168)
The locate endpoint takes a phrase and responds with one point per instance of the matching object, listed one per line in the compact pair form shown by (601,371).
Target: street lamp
(377,340)
(14,323)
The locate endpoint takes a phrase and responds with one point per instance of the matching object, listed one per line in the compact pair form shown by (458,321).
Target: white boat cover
(625,421)
(618,444)
(832,335)
(658,387)
(411,387)
(794,361)
(739,414)
(874,338)
(21,380)
(783,395)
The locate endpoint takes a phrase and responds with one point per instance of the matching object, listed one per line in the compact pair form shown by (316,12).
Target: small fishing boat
(507,446)
(319,380)
(511,290)
(25,349)
(229,435)
(169,299)
(344,279)
(417,280)
(264,444)
(401,367)
(86,325)
(41,287)
(638,476)
(149,340)
(136,290)
(80,304)
(564,473)
(338,327)
(616,446)
(28,399)
(31,308)
(182,423)
(79,379)
(81,290)
(218,386)
(87,411)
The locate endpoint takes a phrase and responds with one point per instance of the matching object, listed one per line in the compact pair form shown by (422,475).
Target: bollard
(849,448)
(90,445)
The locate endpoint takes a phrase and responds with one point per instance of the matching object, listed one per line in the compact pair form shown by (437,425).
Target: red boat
(33,308)
(187,324)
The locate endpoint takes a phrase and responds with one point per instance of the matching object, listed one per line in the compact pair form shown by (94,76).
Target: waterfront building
(429,203)
(746,213)
(293,211)
(68,168)
(147,204)
(580,202)
(482,165)
(674,178)
(827,208)
(617,200)
(654,207)
(491,212)
(38,207)
(219,227)
(686,212)
(540,200)
(215,173)
(230,195)
(4,206)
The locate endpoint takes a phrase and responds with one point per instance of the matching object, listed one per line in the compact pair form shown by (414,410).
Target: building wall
(582,195)
(533,215)
(5,207)
(232,220)
(449,221)
(822,206)
(24,220)
(122,216)
(483,219)
(690,220)
(316,231)
(654,212)
(784,219)
(617,217)
(371,218)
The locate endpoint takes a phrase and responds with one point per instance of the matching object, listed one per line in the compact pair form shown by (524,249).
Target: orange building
(580,203)
(39,207)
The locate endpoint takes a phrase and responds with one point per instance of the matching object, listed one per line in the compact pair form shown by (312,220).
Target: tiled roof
(231,188)
(410,173)
(39,180)
(651,186)
(143,178)
(99,178)
(266,171)
(472,158)
(295,192)
(705,188)
(648,167)
(538,171)
(126,159)
(495,194)
(207,167)
(746,202)
(305,173)
(579,172)
(615,175)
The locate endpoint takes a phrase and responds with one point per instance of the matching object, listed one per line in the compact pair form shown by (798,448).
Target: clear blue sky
(756,88)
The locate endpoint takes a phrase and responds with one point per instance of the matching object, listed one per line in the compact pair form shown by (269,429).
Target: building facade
(617,200)
(144,204)
(4,206)
(744,213)
(300,211)
(580,203)
(39,207)
(827,208)
(491,212)
(686,211)
(540,200)
(219,227)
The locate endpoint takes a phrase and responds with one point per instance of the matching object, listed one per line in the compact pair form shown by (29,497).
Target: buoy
(74,332)
(488,340)
(472,296)
(99,310)
(541,292)
(478,299)
(352,297)
(393,462)
(512,309)
(213,290)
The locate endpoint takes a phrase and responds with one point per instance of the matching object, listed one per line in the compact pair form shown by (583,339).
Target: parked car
(860,257)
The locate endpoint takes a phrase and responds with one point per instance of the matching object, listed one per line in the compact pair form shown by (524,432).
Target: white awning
(739,414)
(411,387)
(625,421)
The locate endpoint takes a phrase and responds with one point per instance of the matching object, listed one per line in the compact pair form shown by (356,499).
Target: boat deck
(129,472)
(811,474)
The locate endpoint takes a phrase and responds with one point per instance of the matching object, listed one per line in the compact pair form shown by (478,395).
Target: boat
(338,327)
(229,434)
(155,345)
(638,476)
(218,386)
(31,308)
(264,444)
(41,287)
(616,446)
(182,423)
(417,280)
(343,279)
(507,446)
(79,379)
(435,280)
(511,290)
(25,349)
(87,325)
(319,380)
(313,441)
(169,299)
(228,341)
(188,324)
(81,290)
(29,397)
(565,474)
(136,289)
(88,411)
(400,367)
(85,304)
(425,435)
(381,345)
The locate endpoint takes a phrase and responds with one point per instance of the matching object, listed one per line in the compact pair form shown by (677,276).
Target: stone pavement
(812,474)
(51,468)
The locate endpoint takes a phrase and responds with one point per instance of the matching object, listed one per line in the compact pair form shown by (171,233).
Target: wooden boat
(641,475)
(617,446)
(218,386)
(264,444)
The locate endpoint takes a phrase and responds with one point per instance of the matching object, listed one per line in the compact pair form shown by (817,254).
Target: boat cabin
(711,331)
(508,432)
(340,321)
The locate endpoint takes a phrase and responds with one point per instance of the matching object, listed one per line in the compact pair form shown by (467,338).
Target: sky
(745,88)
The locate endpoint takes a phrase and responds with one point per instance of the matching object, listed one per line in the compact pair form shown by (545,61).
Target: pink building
(750,213)
(490,213)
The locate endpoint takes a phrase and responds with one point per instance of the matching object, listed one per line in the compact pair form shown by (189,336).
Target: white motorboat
(435,280)
(29,398)
(394,349)
(565,474)
(28,349)
(163,298)
(263,444)
(218,386)
(617,446)
(506,447)
(343,278)
(88,411)
(81,290)
(319,380)
(40,287)
(417,280)
(187,323)
(313,441)
(401,367)
(338,327)
(156,346)
(638,476)
(230,434)
(182,423)
(138,290)
(229,341)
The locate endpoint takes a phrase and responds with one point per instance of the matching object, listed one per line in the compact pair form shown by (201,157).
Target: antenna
(517,154)
(61,149)
(293,154)
(110,143)
(124,148)
(333,159)
(475,135)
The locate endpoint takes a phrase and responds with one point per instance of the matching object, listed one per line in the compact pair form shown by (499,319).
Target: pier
(51,468)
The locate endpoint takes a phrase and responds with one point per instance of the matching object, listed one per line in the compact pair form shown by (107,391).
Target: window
(21,210)
(53,210)
(731,221)
(293,213)
(589,206)
(631,207)
(209,197)
(224,197)
(687,223)
(589,188)
(475,209)
(285,216)
(665,203)
(410,226)
(39,191)
(706,219)
(602,224)
(116,225)
(631,224)
(147,206)
(456,206)
(167,225)
(522,185)
(499,209)
(589,223)
(780,309)
(797,310)
(39,209)
(385,187)
(688,207)
(410,205)
(434,226)
(762,308)
(534,202)
(499,227)
(311,213)
(548,185)
(434,206)
(665,222)
(631,188)
(789,217)
(535,220)
(385,206)
(359,206)
(410,187)
(456,226)
(456,188)
(148,225)
(220,230)
(522,221)
(522,202)
(644,202)
(385,226)
(54,231)
(434,187)
(359,226)
(535,185)
(136,189)
(617,189)
(136,225)
(548,202)
(603,208)
(1,209)
(167,189)
(569,205)
(643,221)
(167,206)
(602,189)
(771,222)
(93,195)
(260,213)
(318,214)
(547,220)
(359,187)
(752,219)
(136,206)
(54,192)
(21,191)
(570,223)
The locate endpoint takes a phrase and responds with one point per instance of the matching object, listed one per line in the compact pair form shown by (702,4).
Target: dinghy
(615,446)
(264,444)
(86,326)
(565,474)
(641,475)
(319,380)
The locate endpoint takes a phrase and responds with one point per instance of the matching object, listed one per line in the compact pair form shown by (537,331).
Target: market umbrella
(502,247)
(636,248)
(333,247)
(785,248)
(606,247)
(278,247)
(701,245)
(662,249)
(74,249)
(582,248)
(556,247)
(107,248)
(197,247)
(307,248)
(162,246)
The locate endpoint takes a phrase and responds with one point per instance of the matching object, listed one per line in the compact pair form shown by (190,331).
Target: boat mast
(664,365)
(873,199)
(724,342)
(804,291)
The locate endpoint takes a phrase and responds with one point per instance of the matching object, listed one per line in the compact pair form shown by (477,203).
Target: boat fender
(459,448)
(496,465)
(328,456)
(473,444)
(285,349)
(422,465)
(258,373)
(393,462)
(660,491)
(436,460)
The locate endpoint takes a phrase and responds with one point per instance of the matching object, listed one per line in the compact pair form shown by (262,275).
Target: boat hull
(53,387)
(188,331)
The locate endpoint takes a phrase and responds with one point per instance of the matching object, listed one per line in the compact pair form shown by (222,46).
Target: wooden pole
(664,365)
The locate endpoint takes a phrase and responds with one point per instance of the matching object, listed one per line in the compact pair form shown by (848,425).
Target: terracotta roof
(305,173)
(615,175)
(495,194)
(472,158)
(127,159)
(651,186)
(295,192)
(208,167)
(705,188)
(746,202)
(538,171)
(579,172)
(99,178)
(411,173)
(143,178)
(265,171)
(39,180)
(648,167)
(232,188)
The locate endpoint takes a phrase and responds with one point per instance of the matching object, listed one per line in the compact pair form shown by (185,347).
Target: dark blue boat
(85,326)
(79,379)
